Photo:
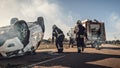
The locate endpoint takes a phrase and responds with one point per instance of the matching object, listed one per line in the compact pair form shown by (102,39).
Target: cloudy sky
(63,13)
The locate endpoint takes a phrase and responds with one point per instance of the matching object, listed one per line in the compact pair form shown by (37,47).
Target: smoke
(29,10)
(115,19)
(114,24)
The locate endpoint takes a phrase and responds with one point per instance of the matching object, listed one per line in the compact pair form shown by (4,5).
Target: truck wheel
(92,45)
(96,44)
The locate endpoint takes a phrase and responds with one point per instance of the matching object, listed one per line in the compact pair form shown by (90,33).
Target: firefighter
(58,34)
(71,39)
(80,34)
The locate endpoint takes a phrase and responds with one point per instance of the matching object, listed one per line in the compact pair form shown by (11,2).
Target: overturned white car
(21,37)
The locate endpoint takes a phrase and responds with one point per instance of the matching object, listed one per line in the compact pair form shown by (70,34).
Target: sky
(63,13)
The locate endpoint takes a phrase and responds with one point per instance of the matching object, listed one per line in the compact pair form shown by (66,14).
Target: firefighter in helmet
(58,34)
(80,34)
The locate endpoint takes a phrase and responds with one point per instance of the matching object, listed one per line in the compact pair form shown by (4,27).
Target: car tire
(23,32)
(40,21)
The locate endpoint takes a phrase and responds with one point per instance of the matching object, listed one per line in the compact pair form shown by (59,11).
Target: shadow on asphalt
(75,60)
(71,60)
(22,61)
(112,48)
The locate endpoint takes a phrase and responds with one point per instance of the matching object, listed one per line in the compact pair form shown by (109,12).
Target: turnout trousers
(80,44)
(59,43)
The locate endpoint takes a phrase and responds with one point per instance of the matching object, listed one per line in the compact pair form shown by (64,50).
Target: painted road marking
(29,66)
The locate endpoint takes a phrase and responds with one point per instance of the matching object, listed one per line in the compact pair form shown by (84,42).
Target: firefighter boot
(82,49)
(79,50)
(61,51)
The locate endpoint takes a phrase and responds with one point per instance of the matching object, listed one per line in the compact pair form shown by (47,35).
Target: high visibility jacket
(80,31)
(56,33)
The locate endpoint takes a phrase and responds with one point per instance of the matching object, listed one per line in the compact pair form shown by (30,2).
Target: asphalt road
(107,57)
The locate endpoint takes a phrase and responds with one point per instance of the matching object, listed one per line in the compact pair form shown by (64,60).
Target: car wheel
(23,32)
(40,21)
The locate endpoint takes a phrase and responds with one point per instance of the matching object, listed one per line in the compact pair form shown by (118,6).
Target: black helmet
(54,26)
(79,22)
